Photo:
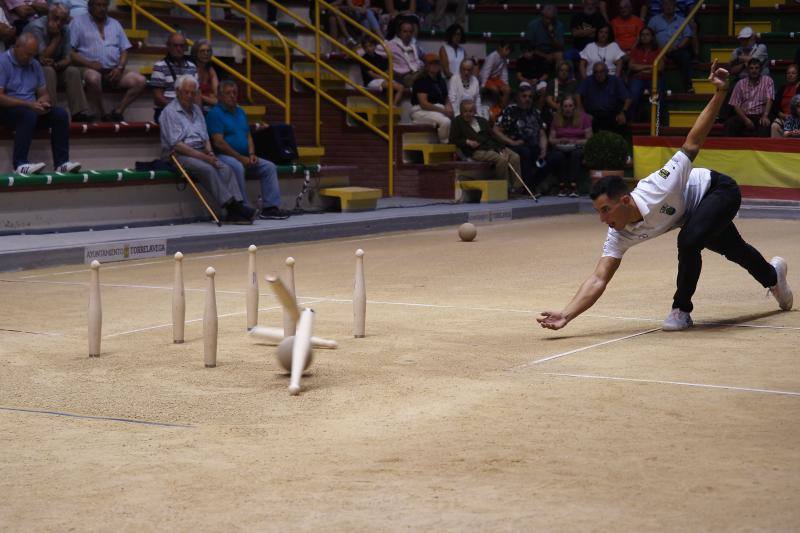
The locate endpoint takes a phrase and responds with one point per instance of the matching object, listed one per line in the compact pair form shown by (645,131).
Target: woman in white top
(465,86)
(451,54)
(602,50)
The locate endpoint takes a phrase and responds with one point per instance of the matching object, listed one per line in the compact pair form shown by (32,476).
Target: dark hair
(368,39)
(653,43)
(504,43)
(612,186)
(610,32)
(451,30)
(754,61)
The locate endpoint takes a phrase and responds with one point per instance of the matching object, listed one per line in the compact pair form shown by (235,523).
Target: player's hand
(718,76)
(552,320)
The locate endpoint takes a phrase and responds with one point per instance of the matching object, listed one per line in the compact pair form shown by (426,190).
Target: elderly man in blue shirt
(100,48)
(665,26)
(184,134)
(230,135)
(606,98)
(25,107)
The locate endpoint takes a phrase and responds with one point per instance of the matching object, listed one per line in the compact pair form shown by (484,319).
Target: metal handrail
(659,57)
(233,72)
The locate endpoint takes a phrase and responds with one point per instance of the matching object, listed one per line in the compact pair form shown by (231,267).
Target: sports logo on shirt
(664,173)
(667,209)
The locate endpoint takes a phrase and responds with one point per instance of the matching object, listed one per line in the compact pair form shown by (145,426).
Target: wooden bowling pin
(210,321)
(285,297)
(276,335)
(359,298)
(178,301)
(289,324)
(252,288)
(95,310)
(301,349)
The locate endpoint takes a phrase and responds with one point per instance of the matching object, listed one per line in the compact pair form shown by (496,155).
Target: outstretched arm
(697,135)
(589,292)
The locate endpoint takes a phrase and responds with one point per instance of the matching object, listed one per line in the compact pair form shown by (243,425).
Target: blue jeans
(636,87)
(265,171)
(25,122)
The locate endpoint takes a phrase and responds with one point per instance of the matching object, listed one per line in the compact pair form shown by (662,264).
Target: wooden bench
(432,152)
(354,199)
(491,190)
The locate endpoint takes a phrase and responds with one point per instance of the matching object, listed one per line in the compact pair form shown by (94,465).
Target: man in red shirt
(626,26)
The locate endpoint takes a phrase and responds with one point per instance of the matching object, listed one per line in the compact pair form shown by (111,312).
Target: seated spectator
(494,73)
(398,12)
(406,60)
(570,130)
(783,100)
(560,86)
(201,55)
(7,31)
(230,136)
(451,54)
(531,69)
(370,78)
(441,7)
(361,11)
(55,56)
(429,100)
(626,26)
(751,101)
(606,99)
(640,71)
(791,124)
(167,70)
(335,24)
(100,46)
(519,127)
(546,35)
(184,134)
(475,138)
(465,86)
(664,26)
(603,49)
(748,48)
(21,12)
(25,106)
(584,26)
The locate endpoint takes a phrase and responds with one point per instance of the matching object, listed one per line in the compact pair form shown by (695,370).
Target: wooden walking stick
(194,188)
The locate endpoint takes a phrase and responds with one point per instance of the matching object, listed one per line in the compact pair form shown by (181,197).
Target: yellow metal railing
(659,57)
(285,104)
(285,68)
(319,63)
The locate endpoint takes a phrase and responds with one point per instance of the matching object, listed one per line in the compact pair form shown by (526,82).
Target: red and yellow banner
(764,168)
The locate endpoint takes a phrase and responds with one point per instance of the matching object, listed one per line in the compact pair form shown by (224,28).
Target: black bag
(276,143)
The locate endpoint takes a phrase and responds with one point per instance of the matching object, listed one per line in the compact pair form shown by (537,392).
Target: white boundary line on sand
(682,383)
(584,348)
(159,326)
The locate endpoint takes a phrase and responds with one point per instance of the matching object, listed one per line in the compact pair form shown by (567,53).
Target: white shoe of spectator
(29,168)
(69,166)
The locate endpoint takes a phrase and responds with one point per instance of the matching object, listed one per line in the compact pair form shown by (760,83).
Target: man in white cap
(748,49)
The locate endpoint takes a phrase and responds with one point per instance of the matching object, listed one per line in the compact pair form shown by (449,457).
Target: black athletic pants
(711,226)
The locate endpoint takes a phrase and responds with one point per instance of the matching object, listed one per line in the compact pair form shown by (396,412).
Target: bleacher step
(354,199)
(758,26)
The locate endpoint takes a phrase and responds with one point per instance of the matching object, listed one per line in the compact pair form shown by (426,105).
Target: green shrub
(606,151)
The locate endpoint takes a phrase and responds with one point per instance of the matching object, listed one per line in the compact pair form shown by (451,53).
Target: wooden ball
(467,231)
(285,354)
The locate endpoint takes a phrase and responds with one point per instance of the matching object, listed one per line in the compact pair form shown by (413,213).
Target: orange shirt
(626,31)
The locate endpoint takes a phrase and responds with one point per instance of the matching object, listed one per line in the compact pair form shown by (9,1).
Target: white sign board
(125,251)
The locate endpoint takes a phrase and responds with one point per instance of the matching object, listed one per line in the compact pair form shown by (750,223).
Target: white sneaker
(781,290)
(29,168)
(69,166)
(677,320)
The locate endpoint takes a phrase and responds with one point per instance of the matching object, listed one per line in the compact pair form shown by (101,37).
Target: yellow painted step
(146,70)
(354,199)
(683,119)
(269,45)
(758,26)
(136,34)
(310,155)
(764,3)
(254,111)
(722,54)
(491,190)
(432,153)
(703,86)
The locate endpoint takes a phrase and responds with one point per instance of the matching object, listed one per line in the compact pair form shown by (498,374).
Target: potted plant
(605,154)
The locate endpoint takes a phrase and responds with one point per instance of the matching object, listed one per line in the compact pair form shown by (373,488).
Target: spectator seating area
(348,153)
